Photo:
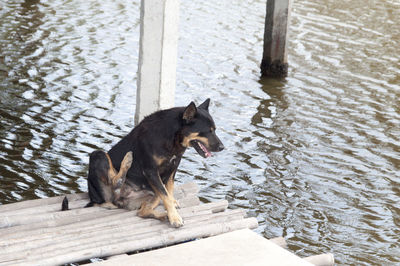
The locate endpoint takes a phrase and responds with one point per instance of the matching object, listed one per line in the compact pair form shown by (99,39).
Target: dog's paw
(176,220)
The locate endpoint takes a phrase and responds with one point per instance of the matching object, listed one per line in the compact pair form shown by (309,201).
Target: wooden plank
(186,189)
(109,233)
(132,226)
(44,208)
(98,224)
(188,201)
(8,221)
(40,234)
(242,247)
(28,229)
(79,200)
(31,213)
(84,220)
(149,227)
(55,256)
(40,202)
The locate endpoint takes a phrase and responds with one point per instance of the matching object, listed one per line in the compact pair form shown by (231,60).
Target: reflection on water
(58,74)
(314,156)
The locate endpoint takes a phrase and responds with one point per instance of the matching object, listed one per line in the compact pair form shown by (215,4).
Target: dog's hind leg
(118,179)
(147,209)
(103,179)
(120,189)
(98,180)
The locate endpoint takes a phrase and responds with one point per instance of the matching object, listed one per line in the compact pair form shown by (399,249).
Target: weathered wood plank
(242,247)
(14,224)
(99,224)
(109,233)
(105,248)
(79,200)
(40,202)
(37,232)
(27,229)
(75,204)
(34,214)
(8,221)
(148,227)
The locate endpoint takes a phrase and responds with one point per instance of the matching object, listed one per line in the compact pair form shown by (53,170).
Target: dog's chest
(169,166)
(173,160)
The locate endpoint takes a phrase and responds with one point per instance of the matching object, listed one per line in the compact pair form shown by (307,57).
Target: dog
(148,158)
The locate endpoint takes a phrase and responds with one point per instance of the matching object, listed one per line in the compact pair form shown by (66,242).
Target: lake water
(314,156)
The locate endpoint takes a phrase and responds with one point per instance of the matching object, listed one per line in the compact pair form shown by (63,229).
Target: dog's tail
(64,205)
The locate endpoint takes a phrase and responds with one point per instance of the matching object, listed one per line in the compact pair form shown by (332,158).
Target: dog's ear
(189,113)
(205,104)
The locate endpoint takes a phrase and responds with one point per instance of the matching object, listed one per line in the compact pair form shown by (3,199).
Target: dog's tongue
(206,152)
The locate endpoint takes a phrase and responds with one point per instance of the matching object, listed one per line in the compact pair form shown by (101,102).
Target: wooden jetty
(36,232)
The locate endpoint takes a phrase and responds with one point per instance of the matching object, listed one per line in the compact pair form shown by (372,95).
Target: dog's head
(198,130)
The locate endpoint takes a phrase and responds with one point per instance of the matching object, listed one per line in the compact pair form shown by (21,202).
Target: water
(314,156)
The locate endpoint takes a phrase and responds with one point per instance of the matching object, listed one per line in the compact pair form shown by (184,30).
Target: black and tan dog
(149,156)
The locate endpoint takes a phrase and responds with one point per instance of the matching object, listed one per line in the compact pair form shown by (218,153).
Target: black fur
(64,205)
(98,171)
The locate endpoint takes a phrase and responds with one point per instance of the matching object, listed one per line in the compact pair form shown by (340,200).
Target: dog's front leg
(170,188)
(168,198)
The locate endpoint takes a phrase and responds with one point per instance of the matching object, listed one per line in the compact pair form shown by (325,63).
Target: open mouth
(200,148)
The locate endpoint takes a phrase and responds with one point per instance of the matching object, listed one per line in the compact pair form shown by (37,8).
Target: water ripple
(313,156)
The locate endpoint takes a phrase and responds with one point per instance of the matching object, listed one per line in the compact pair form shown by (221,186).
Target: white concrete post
(274,62)
(157,56)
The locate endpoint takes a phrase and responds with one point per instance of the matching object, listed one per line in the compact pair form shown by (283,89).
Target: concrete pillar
(157,56)
(274,62)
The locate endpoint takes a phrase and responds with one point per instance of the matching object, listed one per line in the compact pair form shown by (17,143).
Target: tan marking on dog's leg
(169,203)
(147,209)
(125,165)
(170,188)
(111,170)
